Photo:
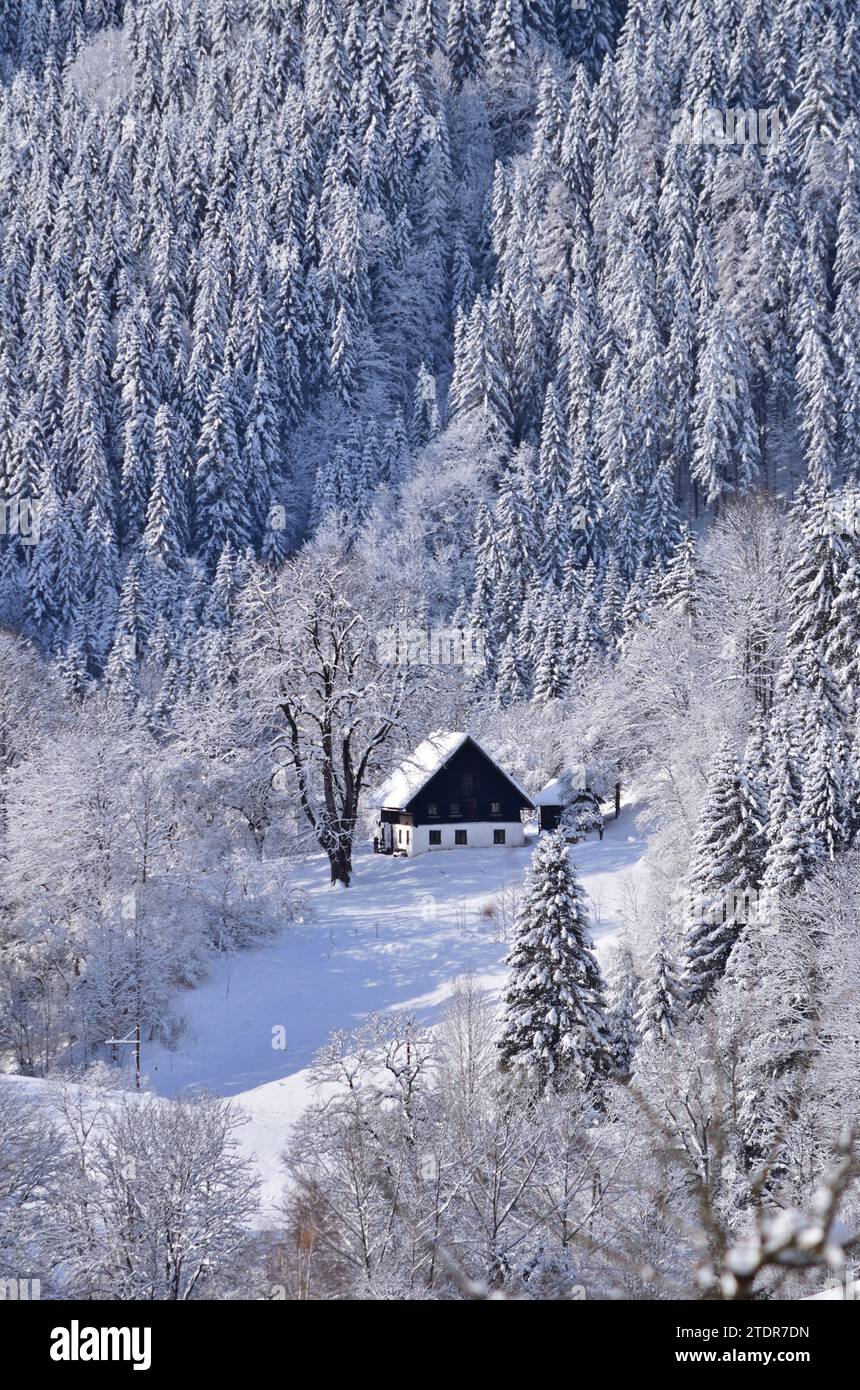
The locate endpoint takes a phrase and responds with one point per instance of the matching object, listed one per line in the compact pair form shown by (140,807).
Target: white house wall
(479,835)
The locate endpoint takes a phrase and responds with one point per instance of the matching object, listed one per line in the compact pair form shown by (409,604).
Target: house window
(432,808)
(435,837)
(455,808)
(495,808)
(468,785)
(407,837)
(498,837)
(460,837)
(400,837)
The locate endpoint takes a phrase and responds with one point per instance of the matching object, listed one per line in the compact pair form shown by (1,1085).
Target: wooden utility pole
(135,1041)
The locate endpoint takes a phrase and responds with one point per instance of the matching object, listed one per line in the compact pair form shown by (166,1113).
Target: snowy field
(396,939)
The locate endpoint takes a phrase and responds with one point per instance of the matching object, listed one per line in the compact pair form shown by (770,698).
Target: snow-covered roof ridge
(416,770)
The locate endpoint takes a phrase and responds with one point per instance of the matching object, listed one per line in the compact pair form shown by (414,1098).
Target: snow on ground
(396,939)
(838,1290)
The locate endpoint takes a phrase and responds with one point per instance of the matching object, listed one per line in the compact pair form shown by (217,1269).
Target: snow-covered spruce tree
(509,682)
(549,672)
(814,585)
(506,39)
(725,875)
(788,858)
(679,590)
(842,651)
(621,1017)
(463,42)
(823,818)
(660,1000)
(555,1019)
(725,456)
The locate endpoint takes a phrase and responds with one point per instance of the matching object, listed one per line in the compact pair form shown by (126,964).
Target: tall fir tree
(554,1016)
(724,877)
(660,998)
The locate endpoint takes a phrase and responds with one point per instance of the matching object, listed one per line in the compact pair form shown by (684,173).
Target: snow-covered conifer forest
(331,329)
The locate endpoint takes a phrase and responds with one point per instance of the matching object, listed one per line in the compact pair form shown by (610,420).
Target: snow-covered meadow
(395,940)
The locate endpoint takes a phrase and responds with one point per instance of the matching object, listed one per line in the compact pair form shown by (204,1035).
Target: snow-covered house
(449,793)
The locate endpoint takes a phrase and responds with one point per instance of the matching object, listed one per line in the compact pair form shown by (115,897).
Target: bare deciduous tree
(313,668)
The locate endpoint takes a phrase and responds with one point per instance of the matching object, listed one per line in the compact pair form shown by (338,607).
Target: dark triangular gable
(469,769)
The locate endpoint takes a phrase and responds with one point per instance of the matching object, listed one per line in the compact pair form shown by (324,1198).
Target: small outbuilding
(553,799)
(567,802)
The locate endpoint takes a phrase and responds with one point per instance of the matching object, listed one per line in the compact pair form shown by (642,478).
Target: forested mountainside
(529,284)
(332,333)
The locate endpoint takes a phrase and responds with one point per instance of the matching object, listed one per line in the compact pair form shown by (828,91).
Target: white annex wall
(479,835)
